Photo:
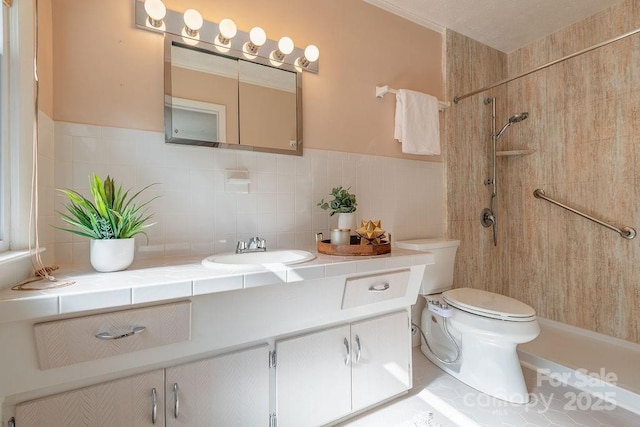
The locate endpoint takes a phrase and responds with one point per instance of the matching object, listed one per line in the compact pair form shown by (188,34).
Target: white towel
(417,122)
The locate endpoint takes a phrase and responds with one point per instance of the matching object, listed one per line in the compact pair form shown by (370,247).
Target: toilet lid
(488,304)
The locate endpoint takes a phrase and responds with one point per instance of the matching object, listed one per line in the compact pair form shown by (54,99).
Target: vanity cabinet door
(381,359)
(132,401)
(227,390)
(313,378)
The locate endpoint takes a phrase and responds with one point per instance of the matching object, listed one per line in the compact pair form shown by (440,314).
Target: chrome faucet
(255,244)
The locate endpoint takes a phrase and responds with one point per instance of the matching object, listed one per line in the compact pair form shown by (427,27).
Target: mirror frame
(170,41)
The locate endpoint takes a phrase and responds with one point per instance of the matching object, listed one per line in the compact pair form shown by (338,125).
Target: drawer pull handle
(176,401)
(154,405)
(381,287)
(347,359)
(108,336)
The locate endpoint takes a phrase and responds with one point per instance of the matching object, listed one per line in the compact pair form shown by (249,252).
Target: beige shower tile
(629,111)
(632,302)
(583,297)
(526,237)
(555,288)
(625,16)
(527,274)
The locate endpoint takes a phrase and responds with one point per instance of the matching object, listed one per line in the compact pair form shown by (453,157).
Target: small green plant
(111,215)
(343,201)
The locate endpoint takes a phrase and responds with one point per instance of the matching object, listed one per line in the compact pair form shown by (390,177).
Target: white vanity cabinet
(326,375)
(227,390)
(133,401)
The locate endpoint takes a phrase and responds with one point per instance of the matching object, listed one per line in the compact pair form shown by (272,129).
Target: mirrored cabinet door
(220,101)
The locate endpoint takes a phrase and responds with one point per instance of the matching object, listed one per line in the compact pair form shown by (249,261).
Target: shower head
(518,117)
(513,119)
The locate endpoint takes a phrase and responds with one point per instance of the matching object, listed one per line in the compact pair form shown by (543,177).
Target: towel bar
(381,91)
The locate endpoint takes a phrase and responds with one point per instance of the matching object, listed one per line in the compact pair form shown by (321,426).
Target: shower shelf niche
(514,153)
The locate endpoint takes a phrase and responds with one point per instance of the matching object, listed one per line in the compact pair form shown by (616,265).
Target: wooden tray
(354,249)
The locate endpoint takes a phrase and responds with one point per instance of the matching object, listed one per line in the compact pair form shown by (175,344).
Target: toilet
(470,333)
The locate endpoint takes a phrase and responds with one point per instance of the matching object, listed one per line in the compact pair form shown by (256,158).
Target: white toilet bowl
(470,333)
(486,336)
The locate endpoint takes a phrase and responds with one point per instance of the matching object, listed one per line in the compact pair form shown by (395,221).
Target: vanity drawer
(370,289)
(69,341)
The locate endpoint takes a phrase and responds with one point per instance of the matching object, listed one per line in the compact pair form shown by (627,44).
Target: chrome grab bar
(625,232)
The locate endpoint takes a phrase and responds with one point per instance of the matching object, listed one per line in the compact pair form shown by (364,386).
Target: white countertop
(159,280)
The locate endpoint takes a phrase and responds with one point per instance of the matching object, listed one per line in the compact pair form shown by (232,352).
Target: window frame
(17,144)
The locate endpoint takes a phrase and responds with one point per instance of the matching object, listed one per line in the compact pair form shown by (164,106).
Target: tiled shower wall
(584,125)
(471,65)
(196,216)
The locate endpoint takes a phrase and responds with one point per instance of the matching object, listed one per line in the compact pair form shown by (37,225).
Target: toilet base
(489,365)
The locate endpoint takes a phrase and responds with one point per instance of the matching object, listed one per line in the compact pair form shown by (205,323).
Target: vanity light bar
(277,53)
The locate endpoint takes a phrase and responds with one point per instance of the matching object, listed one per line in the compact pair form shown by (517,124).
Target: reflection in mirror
(201,96)
(219,101)
(268,107)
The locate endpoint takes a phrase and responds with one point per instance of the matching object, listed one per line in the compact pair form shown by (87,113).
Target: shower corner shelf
(514,153)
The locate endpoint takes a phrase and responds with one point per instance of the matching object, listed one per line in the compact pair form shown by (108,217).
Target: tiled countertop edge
(93,291)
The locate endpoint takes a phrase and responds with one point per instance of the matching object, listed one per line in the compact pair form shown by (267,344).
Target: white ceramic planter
(112,254)
(347,221)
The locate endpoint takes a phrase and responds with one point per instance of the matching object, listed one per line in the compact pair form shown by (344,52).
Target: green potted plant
(344,204)
(110,220)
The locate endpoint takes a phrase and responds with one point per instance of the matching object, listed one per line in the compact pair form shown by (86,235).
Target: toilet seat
(488,304)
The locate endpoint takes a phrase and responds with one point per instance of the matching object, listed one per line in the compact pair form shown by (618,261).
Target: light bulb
(228,30)
(312,53)
(193,22)
(156,10)
(257,36)
(285,45)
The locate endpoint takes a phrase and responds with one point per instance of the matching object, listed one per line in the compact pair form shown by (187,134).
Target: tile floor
(439,400)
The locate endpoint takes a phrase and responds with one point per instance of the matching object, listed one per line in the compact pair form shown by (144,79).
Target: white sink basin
(252,260)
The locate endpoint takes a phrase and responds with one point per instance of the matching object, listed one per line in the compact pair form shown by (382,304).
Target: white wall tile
(267,203)
(266,182)
(286,221)
(286,165)
(286,203)
(196,215)
(267,223)
(225,159)
(247,223)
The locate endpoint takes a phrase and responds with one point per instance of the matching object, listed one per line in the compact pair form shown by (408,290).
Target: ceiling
(505,25)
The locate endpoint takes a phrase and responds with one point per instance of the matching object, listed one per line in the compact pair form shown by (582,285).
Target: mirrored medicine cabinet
(217,100)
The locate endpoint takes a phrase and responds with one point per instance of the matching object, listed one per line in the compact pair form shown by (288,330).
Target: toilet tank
(439,276)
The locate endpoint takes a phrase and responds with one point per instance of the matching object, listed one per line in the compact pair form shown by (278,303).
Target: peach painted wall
(107,72)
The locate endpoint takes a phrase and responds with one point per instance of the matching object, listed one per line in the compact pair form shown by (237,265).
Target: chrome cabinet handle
(176,401)
(381,287)
(347,359)
(358,349)
(154,405)
(109,336)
